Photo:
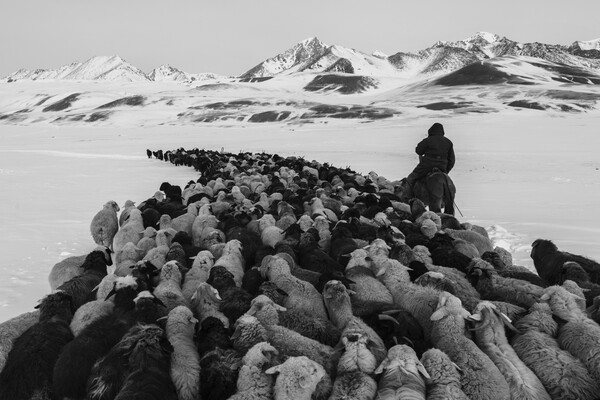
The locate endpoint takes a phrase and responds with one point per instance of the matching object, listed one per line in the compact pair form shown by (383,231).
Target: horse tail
(448,196)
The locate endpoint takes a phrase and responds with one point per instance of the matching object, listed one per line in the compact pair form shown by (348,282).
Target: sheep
(512,271)
(403,375)
(574,288)
(270,233)
(481,242)
(253,383)
(444,377)
(64,270)
(233,260)
(184,222)
(235,301)
(130,232)
(203,224)
(419,300)
(95,309)
(158,254)
(356,355)
(205,303)
(298,378)
(370,295)
(548,260)
(491,286)
(490,337)
(302,296)
(104,225)
(124,216)
(148,240)
(149,364)
(94,269)
(128,256)
(580,336)
(109,373)
(219,372)
(27,372)
(12,329)
(270,313)
(338,304)
(77,358)
(185,361)
(563,375)
(212,334)
(480,377)
(168,289)
(199,273)
(575,272)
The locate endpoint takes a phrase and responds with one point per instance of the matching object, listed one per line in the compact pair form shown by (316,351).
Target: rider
(435,151)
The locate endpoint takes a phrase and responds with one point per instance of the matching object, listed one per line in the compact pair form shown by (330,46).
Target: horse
(436,190)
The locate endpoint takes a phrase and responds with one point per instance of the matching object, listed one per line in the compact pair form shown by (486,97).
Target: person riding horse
(435,151)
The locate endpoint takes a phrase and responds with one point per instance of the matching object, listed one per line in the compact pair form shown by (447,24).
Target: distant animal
(436,190)
(548,261)
(105,224)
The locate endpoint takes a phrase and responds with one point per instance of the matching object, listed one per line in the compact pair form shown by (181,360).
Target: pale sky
(229,37)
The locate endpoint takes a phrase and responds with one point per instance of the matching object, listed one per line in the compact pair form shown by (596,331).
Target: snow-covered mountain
(110,68)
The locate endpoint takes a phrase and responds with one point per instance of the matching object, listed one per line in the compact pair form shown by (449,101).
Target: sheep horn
(111,293)
(385,317)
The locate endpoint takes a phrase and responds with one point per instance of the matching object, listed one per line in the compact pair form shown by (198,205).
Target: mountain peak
(485,36)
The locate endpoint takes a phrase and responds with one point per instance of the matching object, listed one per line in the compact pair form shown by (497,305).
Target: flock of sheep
(280,278)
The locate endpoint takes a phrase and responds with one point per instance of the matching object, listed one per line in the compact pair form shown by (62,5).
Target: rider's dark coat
(436,150)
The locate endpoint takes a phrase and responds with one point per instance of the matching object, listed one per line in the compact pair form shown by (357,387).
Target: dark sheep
(30,363)
(235,301)
(212,334)
(575,272)
(219,373)
(548,261)
(94,269)
(77,358)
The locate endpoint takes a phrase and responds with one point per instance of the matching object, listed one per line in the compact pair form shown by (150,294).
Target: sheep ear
(384,364)
(474,317)
(158,301)
(545,297)
(111,293)
(381,272)
(280,308)
(351,292)
(439,314)
(273,370)
(422,370)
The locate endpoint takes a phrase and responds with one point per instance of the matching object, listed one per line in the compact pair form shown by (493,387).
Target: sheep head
(205,259)
(171,271)
(296,375)
(539,319)
(273,266)
(542,247)
(260,354)
(357,354)
(449,305)
(205,292)
(248,331)
(405,359)
(57,304)
(487,315)
(265,310)
(112,205)
(181,321)
(563,303)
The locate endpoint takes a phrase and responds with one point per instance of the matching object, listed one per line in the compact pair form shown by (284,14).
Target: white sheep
(168,289)
(481,242)
(185,361)
(184,223)
(370,294)
(298,378)
(233,260)
(403,375)
(148,240)
(65,270)
(580,335)
(490,337)
(158,255)
(564,376)
(12,329)
(270,233)
(130,232)
(126,258)
(253,382)
(127,207)
(444,376)
(96,309)
(480,379)
(198,273)
(105,224)
(302,295)
(205,303)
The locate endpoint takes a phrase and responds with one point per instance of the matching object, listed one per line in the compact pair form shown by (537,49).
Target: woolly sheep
(168,289)
(403,375)
(130,232)
(444,377)
(302,295)
(563,375)
(148,240)
(126,209)
(185,361)
(490,337)
(481,242)
(580,336)
(77,358)
(95,309)
(104,225)
(205,303)
(128,256)
(12,329)
(233,260)
(94,269)
(158,255)
(480,377)
(199,273)
(66,269)
(253,383)
(219,371)
(27,372)
(491,286)
(185,222)
(353,385)
(297,378)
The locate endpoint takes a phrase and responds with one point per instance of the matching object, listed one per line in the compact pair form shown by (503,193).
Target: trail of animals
(275,277)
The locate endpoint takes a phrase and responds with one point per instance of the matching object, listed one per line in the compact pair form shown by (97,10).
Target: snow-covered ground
(523,175)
